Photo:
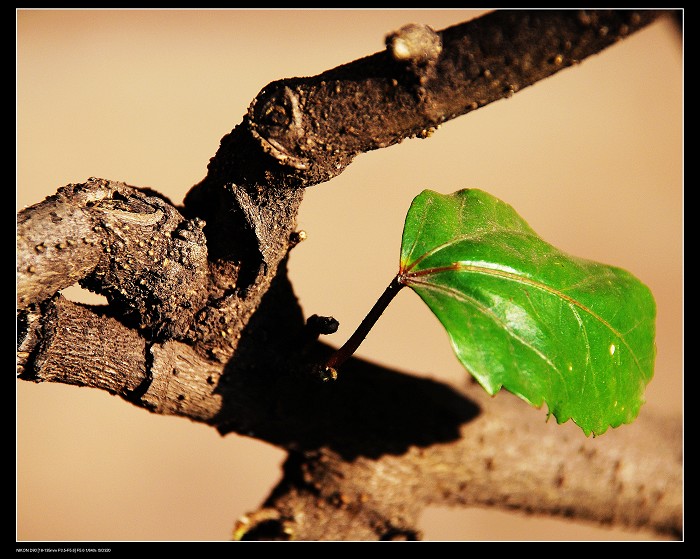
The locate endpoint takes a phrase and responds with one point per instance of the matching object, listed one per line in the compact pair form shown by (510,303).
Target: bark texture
(203,323)
(303,131)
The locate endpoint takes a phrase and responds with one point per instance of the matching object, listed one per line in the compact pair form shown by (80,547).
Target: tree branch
(371,451)
(203,322)
(506,458)
(303,131)
(127,244)
(297,132)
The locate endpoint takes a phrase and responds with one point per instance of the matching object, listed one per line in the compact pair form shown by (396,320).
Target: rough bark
(504,457)
(369,452)
(303,131)
(131,246)
(203,323)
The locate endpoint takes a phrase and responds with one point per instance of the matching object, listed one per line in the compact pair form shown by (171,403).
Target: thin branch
(350,347)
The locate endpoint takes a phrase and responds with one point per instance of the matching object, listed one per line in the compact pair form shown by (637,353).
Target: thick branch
(61,341)
(303,131)
(212,331)
(297,132)
(127,244)
(152,263)
(506,458)
(370,451)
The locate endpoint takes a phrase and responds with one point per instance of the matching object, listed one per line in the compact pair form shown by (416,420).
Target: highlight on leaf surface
(522,315)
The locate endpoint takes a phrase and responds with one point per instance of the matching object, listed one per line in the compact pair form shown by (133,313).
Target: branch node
(415,43)
(276,122)
(263,525)
(296,237)
(327,374)
(322,325)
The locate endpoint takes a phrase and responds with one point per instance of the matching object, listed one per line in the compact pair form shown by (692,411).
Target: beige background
(592,158)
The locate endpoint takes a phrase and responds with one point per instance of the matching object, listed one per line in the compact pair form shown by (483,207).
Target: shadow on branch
(369,411)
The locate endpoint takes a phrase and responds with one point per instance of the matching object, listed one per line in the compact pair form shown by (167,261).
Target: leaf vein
(465,267)
(488,312)
(475,236)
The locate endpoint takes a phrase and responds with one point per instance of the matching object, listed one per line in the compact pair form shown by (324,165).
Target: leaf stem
(341,355)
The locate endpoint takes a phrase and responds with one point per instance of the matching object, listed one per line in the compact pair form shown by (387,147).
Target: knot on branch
(283,141)
(114,239)
(154,265)
(276,122)
(417,44)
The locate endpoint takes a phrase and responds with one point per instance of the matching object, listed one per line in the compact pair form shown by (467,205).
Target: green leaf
(522,315)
